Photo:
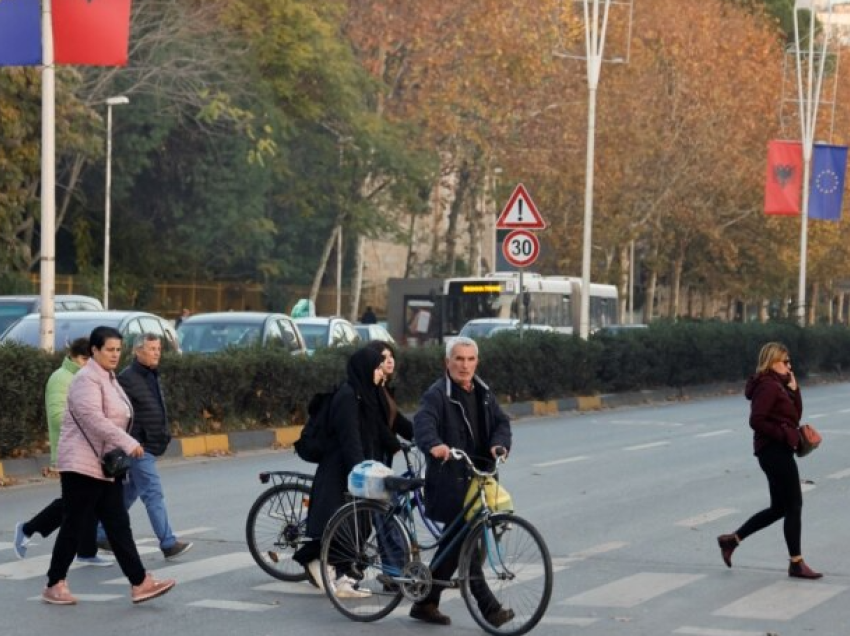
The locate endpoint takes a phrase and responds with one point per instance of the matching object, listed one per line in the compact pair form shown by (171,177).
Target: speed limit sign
(521,248)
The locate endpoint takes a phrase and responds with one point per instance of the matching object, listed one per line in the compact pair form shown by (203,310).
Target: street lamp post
(121,100)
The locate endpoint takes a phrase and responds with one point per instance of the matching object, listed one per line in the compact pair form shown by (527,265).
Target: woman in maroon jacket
(776,408)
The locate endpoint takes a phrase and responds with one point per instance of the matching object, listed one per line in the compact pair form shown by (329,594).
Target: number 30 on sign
(521,248)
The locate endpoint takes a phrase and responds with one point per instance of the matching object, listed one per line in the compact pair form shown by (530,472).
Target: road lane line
(704,631)
(558,462)
(196,570)
(238,606)
(841,474)
(782,601)
(706,517)
(724,431)
(641,447)
(633,590)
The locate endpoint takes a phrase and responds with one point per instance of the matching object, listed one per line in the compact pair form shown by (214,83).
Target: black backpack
(316,434)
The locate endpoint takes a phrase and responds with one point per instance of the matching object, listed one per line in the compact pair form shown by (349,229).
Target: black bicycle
(277,523)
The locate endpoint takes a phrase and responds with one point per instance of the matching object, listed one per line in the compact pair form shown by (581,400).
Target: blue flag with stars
(829,163)
(20,32)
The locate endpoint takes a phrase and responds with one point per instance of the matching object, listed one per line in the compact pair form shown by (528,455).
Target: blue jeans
(143,483)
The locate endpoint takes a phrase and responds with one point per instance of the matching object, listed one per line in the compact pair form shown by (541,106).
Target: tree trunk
(455,209)
(675,285)
(625,264)
(649,301)
(323,260)
(356,285)
(763,310)
(813,304)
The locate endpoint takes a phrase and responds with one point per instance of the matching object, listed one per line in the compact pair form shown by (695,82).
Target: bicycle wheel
(275,530)
(363,548)
(516,567)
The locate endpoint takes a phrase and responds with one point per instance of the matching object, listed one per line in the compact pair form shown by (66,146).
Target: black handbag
(114,463)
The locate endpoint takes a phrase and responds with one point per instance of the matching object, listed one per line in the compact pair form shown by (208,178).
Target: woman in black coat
(398,423)
(359,431)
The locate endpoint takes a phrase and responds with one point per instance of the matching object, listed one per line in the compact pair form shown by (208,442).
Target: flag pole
(48,181)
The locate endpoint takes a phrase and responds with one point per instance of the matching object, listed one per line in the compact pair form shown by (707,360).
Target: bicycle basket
(497,496)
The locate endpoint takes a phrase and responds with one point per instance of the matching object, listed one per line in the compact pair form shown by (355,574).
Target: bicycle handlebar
(501,457)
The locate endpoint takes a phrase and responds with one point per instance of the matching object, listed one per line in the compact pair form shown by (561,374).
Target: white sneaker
(96,560)
(314,570)
(344,587)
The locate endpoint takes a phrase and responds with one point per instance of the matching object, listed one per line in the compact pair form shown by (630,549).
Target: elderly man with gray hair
(458,411)
(141,382)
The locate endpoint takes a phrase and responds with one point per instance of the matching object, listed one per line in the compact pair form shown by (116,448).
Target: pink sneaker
(59,594)
(150,588)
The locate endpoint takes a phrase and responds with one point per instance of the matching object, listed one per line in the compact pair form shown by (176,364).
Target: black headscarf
(361,376)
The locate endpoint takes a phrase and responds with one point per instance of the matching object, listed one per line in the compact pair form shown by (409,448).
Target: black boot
(727,543)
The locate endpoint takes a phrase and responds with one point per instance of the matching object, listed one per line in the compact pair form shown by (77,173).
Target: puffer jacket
(775,411)
(150,418)
(102,409)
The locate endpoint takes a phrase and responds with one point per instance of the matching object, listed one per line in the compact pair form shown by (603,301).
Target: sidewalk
(226,443)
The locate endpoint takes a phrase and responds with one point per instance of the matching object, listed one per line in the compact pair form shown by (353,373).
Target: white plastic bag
(366,480)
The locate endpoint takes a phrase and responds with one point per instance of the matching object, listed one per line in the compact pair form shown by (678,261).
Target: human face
(783,365)
(462,364)
(388,365)
(108,356)
(149,353)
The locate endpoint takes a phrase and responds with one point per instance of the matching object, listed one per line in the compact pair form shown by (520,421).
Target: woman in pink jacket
(96,420)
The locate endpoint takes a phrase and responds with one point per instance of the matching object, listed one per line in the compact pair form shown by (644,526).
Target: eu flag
(829,163)
(20,32)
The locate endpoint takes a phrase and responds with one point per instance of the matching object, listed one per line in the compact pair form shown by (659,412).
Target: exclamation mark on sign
(519,203)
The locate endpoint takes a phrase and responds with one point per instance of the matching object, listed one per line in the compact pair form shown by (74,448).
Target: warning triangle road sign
(520,212)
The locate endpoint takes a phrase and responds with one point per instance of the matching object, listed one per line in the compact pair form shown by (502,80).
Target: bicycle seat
(403,484)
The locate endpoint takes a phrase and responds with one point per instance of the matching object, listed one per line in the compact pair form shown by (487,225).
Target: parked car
(374,332)
(624,328)
(486,327)
(14,307)
(319,332)
(213,332)
(70,325)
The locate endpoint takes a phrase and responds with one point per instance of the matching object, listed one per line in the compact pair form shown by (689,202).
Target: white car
(332,331)
(486,327)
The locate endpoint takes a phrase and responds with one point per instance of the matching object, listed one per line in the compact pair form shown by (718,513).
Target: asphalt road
(629,500)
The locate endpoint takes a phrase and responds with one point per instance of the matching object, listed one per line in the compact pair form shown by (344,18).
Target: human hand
(137,452)
(440,451)
(792,381)
(499,451)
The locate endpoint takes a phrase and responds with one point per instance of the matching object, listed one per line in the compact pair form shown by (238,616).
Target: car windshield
(29,331)
(10,312)
(211,337)
(315,336)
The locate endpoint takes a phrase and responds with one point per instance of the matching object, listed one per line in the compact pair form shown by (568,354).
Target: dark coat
(775,411)
(359,431)
(442,420)
(150,417)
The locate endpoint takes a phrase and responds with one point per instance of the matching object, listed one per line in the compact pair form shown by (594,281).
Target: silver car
(213,332)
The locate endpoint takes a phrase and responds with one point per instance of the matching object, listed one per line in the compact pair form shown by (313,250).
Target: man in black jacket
(141,382)
(458,411)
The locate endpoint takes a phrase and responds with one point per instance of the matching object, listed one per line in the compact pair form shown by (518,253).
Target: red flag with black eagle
(784,184)
(91,32)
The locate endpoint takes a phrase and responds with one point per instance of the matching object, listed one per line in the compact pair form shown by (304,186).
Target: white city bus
(550,300)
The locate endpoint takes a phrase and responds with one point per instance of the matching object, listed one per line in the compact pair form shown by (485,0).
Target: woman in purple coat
(775,411)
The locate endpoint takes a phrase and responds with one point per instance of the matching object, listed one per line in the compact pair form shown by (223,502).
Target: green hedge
(257,388)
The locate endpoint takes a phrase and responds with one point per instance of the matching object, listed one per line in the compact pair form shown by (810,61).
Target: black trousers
(786,497)
(444,571)
(50,518)
(84,498)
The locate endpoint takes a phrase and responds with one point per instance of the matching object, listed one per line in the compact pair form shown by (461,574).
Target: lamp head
(117,101)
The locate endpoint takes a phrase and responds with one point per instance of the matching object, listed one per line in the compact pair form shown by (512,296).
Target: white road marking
(567,621)
(645,423)
(782,601)
(234,605)
(633,590)
(567,460)
(841,474)
(7,546)
(724,431)
(592,551)
(33,567)
(704,631)
(807,486)
(195,570)
(289,587)
(91,598)
(844,411)
(706,517)
(640,447)
(817,416)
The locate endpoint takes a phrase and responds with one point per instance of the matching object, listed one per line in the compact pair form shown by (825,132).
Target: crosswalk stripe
(592,551)
(567,621)
(558,462)
(92,598)
(706,517)
(203,568)
(782,601)
(633,590)
(841,474)
(33,567)
(238,606)
(289,587)
(704,631)
(640,447)
(4,545)
(715,433)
